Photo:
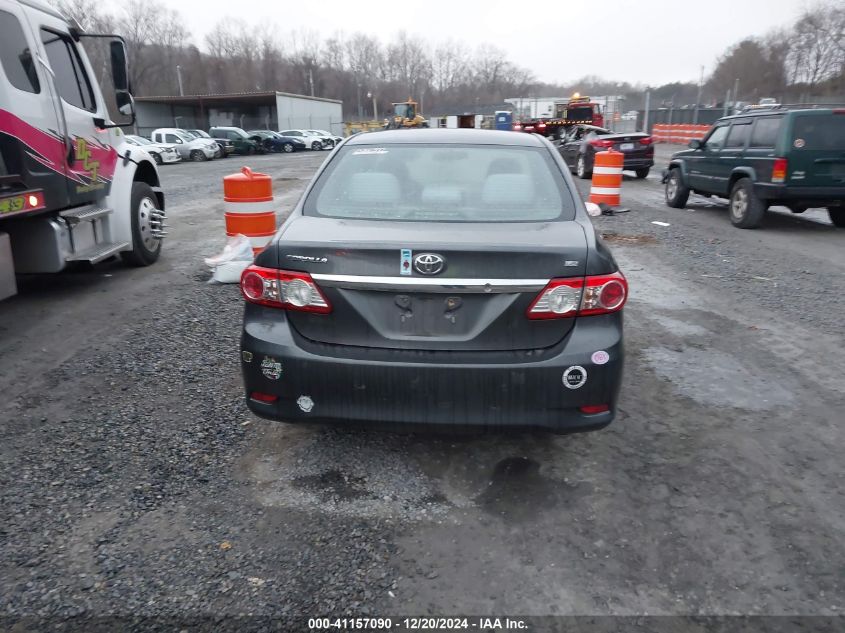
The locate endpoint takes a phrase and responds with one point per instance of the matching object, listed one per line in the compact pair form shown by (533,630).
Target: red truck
(577,110)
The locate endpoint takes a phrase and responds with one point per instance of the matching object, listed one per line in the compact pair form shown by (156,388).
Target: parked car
(226,146)
(275,142)
(311,140)
(241,141)
(189,147)
(161,152)
(471,289)
(332,139)
(581,143)
(763,158)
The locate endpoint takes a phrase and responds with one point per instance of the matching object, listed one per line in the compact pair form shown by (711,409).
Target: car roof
(447,136)
(774,112)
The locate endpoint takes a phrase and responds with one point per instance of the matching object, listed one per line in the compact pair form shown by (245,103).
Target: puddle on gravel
(519,491)
(714,378)
(332,484)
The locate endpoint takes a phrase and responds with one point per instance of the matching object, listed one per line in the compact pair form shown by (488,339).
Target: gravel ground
(135,482)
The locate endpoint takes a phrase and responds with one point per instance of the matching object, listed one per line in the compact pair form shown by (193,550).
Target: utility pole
(647,108)
(371,95)
(311,80)
(736,92)
(698,98)
(179,77)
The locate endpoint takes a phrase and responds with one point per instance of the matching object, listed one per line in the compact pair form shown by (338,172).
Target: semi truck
(71,189)
(574,111)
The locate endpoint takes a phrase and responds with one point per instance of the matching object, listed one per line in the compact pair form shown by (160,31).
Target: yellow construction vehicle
(405,115)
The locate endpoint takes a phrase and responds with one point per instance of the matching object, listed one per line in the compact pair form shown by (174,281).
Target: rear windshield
(442,183)
(580,114)
(820,132)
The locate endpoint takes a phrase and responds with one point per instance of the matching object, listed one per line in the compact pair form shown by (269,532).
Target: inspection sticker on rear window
(364,151)
(405,261)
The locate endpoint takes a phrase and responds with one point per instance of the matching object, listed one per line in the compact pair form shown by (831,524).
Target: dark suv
(794,158)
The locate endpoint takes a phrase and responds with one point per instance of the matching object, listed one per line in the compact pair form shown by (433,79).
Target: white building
(251,110)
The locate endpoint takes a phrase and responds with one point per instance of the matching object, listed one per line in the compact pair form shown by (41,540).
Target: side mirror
(125,106)
(119,66)
(696,144)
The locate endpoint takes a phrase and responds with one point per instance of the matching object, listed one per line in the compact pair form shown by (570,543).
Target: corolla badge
(429,263)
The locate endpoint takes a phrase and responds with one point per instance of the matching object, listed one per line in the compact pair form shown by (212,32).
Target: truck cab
(71,188)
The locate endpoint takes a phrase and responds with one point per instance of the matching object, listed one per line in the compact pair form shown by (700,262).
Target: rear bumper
(637,163)
(432,390)
(811,196)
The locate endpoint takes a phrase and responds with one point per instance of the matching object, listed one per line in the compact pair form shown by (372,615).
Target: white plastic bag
(230,263)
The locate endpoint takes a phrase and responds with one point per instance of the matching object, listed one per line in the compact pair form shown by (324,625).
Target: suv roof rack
(791,106)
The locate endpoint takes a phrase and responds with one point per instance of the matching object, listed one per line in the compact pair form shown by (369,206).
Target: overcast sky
(646,41)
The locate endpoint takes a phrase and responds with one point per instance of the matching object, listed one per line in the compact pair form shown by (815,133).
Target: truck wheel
(581,168)
(746,209)
(837,216)
(643,172)
(198,156)
(146,248)
(676,193)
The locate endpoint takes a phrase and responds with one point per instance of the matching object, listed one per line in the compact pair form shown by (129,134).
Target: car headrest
(374,188)
(507,189)
(504,166)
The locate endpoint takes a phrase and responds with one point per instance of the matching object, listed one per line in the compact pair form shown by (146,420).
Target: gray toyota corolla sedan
(436,278)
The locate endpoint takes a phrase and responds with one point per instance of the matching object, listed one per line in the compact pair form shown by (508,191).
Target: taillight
(646,141)
(597,142)
(283,289)
(598,294)
(779,170)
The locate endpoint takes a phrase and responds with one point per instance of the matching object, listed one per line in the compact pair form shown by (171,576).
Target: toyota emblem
(429,263)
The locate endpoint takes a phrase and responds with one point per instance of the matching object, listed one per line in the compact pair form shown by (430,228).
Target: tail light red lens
(597,142)
(779,170)
(266,397)
(283,289)
(563,298)
(591,409)
(646,141)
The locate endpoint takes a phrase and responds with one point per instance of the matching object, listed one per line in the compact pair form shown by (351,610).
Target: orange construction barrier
(678,132)
(248,200)
(607,178)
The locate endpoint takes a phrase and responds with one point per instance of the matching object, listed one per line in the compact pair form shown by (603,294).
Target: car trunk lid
(492,272)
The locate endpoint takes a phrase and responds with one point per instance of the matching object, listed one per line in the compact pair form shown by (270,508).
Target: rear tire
(676,193)
(746,209)
(837,216)
(642,172)
(581,168)
(145,248)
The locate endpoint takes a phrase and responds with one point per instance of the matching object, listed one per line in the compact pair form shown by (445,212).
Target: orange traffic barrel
(607,178)
(250,211)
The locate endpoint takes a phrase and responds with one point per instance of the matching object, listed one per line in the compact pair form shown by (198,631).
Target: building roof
(245,98)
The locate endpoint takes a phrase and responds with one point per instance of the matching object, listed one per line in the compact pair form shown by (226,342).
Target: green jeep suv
(793,158)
